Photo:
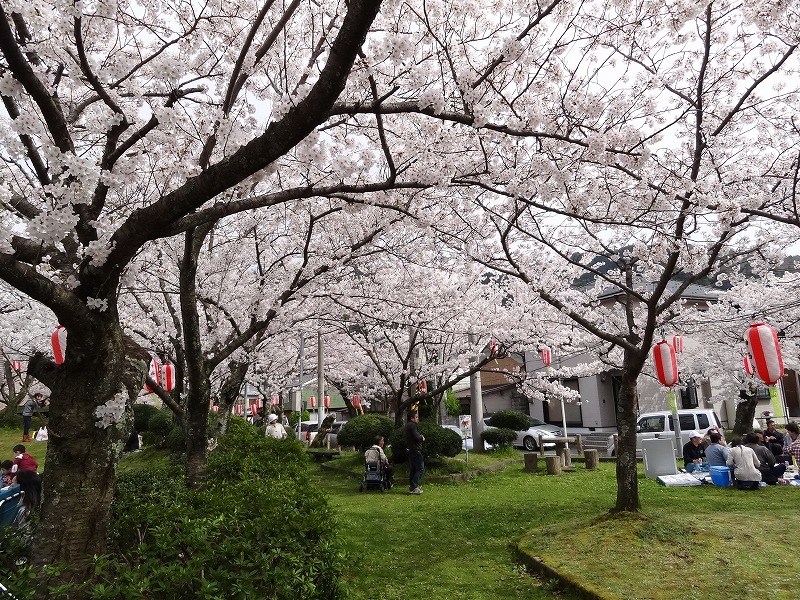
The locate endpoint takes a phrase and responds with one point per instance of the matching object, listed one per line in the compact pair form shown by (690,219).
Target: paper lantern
(748,366)
(327,400)
(312,401)
(275,400)
(59,341)
(677,343)
(422,387)
(16,365)
(356,401)
(168,377)
(154,373)
(546,355)
(762,341)
(666,363)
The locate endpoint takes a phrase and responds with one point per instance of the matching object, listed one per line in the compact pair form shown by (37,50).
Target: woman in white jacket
(745,465)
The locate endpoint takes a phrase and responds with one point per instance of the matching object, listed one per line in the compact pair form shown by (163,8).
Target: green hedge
(260,530)
(510,419)
(439,441)
(499,438)
(361,430)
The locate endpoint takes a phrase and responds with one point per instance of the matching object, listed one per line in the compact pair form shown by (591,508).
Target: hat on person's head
(272,417)
(694,434)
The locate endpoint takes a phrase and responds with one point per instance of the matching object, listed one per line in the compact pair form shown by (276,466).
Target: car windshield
(536,422)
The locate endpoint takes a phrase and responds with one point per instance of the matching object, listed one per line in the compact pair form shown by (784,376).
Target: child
(23,461)
(8,477)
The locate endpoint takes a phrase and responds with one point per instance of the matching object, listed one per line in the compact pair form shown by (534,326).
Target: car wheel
(529,444)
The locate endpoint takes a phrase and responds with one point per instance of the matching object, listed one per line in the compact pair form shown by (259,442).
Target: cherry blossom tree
(116,136)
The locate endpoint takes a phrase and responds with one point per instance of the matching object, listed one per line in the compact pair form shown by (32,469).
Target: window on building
(689,395)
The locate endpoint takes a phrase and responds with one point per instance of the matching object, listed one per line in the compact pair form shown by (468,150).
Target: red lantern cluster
(764,352)
(666,363)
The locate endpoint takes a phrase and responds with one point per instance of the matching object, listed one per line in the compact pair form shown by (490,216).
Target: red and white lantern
(154,373)
(16,365)
(327,400)
(59,340)
(239,409)
(312,401)
(356,401)
(677,343)
(168,377)
(666,363)
(275,400)
(762,342)
(546,356)
(748,366)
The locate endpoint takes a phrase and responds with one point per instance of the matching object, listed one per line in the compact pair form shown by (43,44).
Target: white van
(659,424)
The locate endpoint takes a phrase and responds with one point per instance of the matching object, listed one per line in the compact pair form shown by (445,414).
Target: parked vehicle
(528,439)
(308,429)
(466,442)
(660,424)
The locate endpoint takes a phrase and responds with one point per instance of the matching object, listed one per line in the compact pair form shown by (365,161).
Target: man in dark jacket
(416,463)
(770,472)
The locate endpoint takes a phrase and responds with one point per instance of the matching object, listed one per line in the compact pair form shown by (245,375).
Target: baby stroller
(376,476)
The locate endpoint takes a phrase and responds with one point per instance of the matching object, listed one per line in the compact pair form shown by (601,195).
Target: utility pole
(299,403)
(476,403)
(320,381)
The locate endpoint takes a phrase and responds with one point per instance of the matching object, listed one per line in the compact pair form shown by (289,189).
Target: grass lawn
(457,540)
(11,437)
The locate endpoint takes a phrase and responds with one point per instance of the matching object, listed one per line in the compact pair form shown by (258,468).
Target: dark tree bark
(745,412)
(627,468)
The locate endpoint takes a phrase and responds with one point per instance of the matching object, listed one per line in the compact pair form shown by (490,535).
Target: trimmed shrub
(438,442)
(510,419)
(158,427)
(499,438)
(176,440)
(260,530)
(361,430)
(141,416)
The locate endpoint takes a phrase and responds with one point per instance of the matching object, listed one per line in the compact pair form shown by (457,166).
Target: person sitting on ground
(793,433)
(745,465)
(772,435)
(770,471)
(7,467)
(693,453)
(275,429)
(717,452)
(23,461)
(707,437)
(31,485)
(376,454)
(762,441)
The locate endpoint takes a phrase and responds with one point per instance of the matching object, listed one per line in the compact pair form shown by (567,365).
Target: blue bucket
(721,476)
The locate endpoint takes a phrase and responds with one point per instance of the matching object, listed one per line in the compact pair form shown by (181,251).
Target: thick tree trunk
(745,413)
(197,435)
(91,401)
(627,469)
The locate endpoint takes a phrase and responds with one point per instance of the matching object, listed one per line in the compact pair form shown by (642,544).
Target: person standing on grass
(416,462)
(28,409)
(275,429)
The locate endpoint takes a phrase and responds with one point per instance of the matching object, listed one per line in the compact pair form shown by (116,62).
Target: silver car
(528,439)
